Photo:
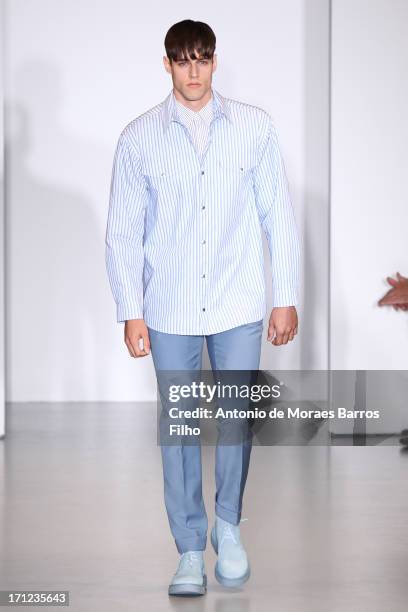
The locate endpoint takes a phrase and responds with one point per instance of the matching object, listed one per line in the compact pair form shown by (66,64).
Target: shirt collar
(169,109)
(187,115)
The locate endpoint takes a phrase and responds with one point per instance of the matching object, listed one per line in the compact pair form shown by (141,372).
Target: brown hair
(188,36)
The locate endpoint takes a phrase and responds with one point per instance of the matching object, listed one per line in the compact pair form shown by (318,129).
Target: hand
(283,325)
(398,295)
(134,330)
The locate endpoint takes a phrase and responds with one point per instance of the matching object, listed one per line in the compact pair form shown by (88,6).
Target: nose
(193,70)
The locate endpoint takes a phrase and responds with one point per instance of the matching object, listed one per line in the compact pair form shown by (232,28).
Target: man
(193,180)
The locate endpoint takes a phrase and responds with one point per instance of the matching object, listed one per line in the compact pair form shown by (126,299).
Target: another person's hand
(283,325)
(398,295)
(135,329)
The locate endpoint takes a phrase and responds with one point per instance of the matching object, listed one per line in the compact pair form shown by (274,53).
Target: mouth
(193,84)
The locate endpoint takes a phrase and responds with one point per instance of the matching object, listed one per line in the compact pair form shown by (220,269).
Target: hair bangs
(188,38)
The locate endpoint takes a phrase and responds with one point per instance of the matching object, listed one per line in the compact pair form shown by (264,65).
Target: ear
(214,62)
(167,64)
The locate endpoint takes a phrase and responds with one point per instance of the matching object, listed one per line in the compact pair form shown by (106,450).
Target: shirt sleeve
(124,231)
(276,214)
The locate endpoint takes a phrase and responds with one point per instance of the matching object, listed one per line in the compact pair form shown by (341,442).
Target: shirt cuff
(284,296)
(126,312)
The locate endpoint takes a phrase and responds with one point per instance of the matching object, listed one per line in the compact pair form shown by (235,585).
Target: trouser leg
(181,462)
(235,349)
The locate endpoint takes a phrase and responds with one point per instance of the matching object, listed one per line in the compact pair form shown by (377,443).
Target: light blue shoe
(190,578)
(232,567)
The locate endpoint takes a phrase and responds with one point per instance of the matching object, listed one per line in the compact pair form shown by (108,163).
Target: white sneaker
(232,567)
(190,578)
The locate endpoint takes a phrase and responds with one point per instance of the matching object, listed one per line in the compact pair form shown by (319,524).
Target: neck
(194,105)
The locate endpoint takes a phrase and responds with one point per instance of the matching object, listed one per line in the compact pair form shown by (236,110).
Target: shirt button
(203,208)
(203,276)
(202,171)
(203,241)
(203,309)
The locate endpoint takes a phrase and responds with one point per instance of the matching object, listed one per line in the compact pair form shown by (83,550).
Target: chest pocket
(236,169)
(157,167)
(162,176)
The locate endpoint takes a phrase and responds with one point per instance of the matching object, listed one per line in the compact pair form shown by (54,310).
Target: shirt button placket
(204,247)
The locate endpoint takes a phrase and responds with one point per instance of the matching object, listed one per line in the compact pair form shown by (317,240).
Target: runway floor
(81,509)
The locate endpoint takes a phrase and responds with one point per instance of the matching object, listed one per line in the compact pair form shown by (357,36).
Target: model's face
(191,78)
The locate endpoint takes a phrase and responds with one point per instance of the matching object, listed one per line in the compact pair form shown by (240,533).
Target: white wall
(369,199)
(2,313)
(76,73)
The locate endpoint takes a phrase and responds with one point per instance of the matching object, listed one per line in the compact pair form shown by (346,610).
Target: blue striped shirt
(183,237)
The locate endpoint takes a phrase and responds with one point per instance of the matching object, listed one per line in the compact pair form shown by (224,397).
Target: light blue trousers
(238,348)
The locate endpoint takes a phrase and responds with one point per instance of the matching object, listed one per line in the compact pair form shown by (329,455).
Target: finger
(392,281)
(278,340)
(130,347)
(133,346)
(291,335)
(389,298)
(401,279)
(146,342)
(139,347)
(285,338)
(271,332)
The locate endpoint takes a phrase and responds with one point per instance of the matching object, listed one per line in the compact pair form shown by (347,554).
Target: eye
(205,62)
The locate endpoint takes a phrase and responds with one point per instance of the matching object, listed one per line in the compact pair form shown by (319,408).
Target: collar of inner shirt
(187,114)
